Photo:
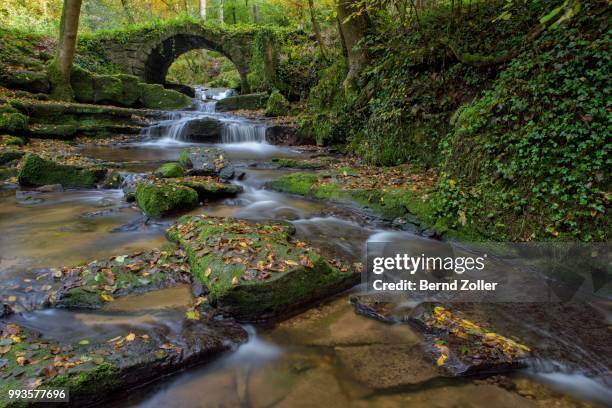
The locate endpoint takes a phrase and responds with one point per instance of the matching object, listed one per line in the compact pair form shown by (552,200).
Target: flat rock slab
(36,171)
(207,161)
(456,344)
(257,271)
(385,366)
(97,372)
(97,283)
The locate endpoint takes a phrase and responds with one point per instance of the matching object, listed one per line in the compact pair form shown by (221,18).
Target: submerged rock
(98,371)
(457,345)
(161,197)
(36,171)
(387,366)
(257,270)
(92,285)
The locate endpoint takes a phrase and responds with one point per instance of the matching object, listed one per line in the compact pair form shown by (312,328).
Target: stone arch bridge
(148,52)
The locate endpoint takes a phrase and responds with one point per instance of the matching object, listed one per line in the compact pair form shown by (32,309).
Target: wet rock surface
(256,271)
(97,283)
(97,371)
(36,171)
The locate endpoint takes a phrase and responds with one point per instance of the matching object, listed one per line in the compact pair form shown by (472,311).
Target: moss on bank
(36,171)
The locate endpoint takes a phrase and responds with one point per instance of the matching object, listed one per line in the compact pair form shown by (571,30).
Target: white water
(235,130)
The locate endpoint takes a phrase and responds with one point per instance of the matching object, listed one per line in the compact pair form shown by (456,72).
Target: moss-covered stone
(256,270)
(27,80)
(159,198)
(277,105)
(12,120)
(7,156)
(36,171)
(167,170)
(155,96)
(13,141)
(123,90)
(209,187)
(96,283)
(249,102)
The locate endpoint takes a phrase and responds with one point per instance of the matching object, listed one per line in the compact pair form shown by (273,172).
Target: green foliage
(277,105)
(530,158)
(169,170)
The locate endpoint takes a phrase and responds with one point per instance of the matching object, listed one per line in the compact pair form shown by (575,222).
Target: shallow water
(296,363)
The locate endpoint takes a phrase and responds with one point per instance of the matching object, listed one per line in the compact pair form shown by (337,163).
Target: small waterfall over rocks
(180,126)
(239,132)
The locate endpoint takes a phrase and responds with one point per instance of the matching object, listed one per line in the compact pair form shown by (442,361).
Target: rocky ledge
(257,271)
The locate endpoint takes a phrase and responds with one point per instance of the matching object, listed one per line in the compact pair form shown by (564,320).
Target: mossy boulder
(124,90)
(158,198)
(209,187)
(12,120)
(277,105)
(96,283)
(170,170)
(36,171)
(13,141)
(257,271)
(7,156)
(155,96)
(248,102)
(26,80)
(99,369)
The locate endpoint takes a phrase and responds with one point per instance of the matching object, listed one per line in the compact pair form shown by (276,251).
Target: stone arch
(148,53)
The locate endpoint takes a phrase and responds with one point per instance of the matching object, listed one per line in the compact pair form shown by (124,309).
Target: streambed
(326,356)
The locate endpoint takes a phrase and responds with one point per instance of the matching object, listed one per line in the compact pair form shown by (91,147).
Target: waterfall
(201,101)
(239,132)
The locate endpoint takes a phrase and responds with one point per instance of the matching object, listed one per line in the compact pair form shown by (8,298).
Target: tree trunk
(353,29)
(255,14)
(316,28)
(234,14)
(221,7)
(128,11)
(203,9)
(59,71)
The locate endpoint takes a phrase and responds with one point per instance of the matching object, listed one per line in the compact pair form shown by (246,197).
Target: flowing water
(292,364)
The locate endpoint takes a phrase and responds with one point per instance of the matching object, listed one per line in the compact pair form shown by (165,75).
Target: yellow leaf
(21,361)
(462,217)
(290,262)
(441,359)
(106,297)
(84,342)
(12,299)
(130,337)
(207,272)
(451,183)
(235,280)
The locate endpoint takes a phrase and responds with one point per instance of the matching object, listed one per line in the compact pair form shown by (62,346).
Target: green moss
(169,170)
(210,189)
(248,102)
(36,171)
(247,289)
(277,105)
(184,159)
(158,199)
(84,380)
(82,298)
(295,183)
(155,96)
(14,141)
(299,164)
(12,121)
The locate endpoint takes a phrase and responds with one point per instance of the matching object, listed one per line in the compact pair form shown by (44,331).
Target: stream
(291,364)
